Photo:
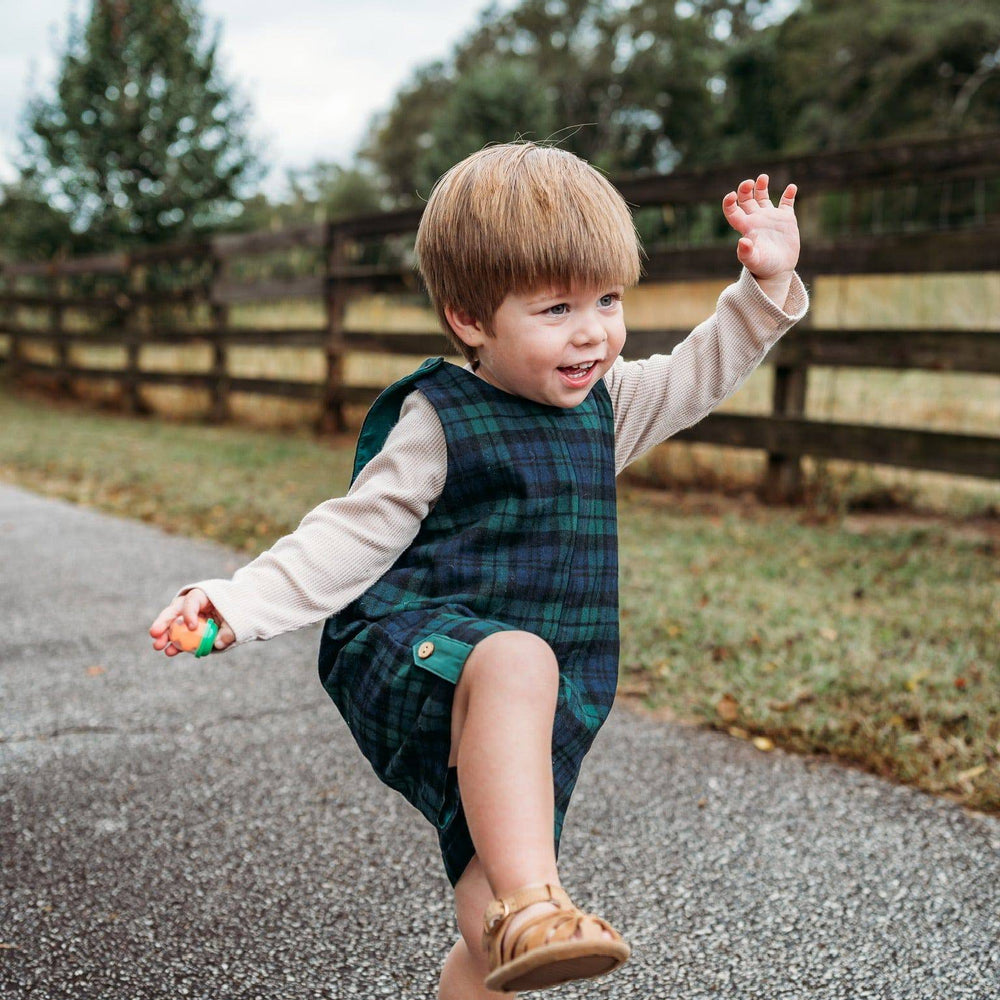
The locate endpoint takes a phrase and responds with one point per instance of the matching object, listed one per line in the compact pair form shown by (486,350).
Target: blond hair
(516,217)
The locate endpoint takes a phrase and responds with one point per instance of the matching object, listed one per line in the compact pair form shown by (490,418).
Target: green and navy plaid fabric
(524,536)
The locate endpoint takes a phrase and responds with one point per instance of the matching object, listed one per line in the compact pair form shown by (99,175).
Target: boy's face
(551,344)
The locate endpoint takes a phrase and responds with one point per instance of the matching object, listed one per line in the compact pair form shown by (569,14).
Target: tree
(843,72)
(628,85)
(142,141)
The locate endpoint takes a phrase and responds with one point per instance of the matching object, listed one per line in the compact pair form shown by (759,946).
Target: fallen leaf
(828,633)
(763,743)
(631,690)
(914,682)
(973,772)
(727,708)
(96,671)
(740,734)
(799,699)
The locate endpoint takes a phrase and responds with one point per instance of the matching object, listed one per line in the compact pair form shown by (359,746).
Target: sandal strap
(500,909)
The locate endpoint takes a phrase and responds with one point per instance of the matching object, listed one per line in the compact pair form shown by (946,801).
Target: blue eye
(558,310)
(608,300)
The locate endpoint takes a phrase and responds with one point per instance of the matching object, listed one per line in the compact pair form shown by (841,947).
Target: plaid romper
(523,536)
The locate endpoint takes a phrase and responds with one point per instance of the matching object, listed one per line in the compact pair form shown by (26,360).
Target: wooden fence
(862,211)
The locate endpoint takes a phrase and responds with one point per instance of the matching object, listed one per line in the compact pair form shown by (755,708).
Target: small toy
(200,641)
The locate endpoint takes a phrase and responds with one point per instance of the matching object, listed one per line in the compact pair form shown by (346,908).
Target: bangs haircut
(519,217)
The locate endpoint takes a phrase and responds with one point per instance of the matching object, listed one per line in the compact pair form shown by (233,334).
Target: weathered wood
(36,301)
(115,263)
(958,454)
(783,477)
(932,350)
(891,163)
(332,417)
(380,224)
(376,342)
(163,252)
(127,317)
(246,244)
(975,351)
(221,381)
(232,292)
(864,172)
(56,316)
(249,336)
(974,249)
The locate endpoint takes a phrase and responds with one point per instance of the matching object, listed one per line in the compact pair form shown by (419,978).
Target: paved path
(207,828)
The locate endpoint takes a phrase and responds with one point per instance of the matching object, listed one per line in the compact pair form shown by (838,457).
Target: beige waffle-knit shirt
(346,543)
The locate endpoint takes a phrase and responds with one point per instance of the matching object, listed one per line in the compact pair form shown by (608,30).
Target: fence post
(57,289)
(219,412)
(783,479)
(332,415)
(131,327)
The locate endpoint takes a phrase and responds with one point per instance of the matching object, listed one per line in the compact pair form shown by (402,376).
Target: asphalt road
(207,828)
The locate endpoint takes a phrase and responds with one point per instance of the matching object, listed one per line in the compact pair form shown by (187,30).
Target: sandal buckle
(494,919)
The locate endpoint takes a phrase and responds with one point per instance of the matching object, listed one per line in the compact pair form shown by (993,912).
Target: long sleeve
(345,544)
(660,395)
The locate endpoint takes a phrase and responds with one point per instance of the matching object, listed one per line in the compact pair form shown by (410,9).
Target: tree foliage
(142,140)
(637,85)
(863,70)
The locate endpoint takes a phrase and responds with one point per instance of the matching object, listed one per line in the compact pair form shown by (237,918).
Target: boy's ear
(469,330)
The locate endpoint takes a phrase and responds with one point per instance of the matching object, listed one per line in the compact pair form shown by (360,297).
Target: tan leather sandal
(545,951)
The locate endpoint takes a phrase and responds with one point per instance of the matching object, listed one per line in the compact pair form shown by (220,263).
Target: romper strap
(384,414)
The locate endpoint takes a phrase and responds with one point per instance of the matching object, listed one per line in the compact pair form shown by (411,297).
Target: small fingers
(195,601)
(165,619)
(760,190)
(751,195)
(788,197)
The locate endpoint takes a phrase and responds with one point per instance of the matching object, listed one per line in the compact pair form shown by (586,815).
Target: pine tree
(143,141)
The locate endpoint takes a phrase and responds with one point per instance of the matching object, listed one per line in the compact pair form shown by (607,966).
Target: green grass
(871,639)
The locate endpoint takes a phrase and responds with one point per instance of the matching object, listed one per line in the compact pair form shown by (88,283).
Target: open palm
(769,246)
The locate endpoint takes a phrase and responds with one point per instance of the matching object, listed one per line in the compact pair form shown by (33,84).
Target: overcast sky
(313,70)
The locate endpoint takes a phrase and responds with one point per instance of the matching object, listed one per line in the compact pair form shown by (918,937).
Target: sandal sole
(558,963)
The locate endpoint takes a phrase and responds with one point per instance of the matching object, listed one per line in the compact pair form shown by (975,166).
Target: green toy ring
(208,639)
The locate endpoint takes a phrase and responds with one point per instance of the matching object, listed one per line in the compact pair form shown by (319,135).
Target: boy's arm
(345,544)
(660,395)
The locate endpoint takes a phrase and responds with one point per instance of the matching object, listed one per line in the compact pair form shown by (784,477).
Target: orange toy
(200,641)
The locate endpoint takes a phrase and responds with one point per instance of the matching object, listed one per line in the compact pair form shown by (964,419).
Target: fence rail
(123,307)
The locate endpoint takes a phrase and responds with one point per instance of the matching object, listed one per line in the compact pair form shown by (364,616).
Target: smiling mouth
(578,373)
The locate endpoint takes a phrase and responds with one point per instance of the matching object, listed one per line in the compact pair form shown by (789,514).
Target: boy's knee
(520,661)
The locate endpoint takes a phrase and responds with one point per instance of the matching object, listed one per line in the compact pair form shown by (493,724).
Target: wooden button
(425,649)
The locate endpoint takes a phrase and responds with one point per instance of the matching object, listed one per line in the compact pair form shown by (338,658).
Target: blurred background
(207,213)
(241,139)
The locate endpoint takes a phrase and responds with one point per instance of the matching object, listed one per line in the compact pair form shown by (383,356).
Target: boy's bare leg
(466,967)
(502,713)
(501,731)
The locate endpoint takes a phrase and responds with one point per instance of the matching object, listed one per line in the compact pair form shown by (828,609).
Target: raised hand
(769,248)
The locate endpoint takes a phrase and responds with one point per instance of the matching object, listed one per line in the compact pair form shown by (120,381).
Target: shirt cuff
(217,591)
(793,308)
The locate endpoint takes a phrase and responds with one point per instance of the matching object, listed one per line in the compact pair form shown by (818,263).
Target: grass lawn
(875,639)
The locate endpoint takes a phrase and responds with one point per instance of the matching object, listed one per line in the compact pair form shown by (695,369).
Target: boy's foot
(536,938)
(536,910)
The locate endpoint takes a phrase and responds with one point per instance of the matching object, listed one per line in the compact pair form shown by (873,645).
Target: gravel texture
(207,828)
